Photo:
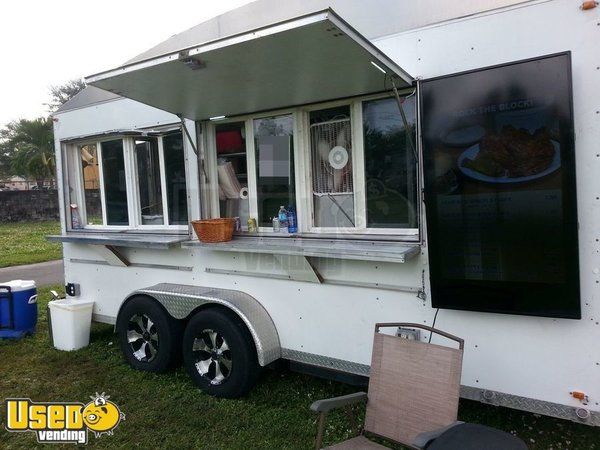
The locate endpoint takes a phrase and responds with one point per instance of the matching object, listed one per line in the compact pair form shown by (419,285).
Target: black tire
(233,353)
(160,336)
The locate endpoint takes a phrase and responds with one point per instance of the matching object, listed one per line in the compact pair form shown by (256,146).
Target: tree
(29,146)
(64,92)
(5,155)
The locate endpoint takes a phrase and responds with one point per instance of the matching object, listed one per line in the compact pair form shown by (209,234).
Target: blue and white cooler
(18,308)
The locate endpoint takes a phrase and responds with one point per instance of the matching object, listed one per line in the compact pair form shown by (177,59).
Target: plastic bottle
(292,222)
(276,225)
(75,217)
(283,219)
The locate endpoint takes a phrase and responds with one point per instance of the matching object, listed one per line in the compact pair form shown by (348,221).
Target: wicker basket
(214,230)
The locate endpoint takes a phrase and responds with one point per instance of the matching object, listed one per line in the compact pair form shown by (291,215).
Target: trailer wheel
(219,353)
(150,339)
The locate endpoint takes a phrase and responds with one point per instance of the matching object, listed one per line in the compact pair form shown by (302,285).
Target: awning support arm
(411,142)
(187,133)
(192,143)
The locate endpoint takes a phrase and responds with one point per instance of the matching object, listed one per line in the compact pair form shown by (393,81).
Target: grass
(25,243)
(168,411)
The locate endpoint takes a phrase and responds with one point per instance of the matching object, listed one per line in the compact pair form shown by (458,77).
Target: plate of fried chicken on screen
(511,156)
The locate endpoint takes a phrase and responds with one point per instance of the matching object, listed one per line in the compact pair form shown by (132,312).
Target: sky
(46,43)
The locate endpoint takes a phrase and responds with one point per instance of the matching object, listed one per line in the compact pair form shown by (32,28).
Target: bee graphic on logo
(101,415)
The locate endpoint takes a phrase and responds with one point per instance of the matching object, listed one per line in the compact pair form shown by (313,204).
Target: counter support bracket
(112,255)
(299,268)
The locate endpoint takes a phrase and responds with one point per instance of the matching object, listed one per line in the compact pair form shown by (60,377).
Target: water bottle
(75,217)
(283,219)
(292,223)
(276,225)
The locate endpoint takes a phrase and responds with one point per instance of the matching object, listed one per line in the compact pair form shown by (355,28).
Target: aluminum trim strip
(247,273)
(383,286)
(359,284)
(325,362)
(139,265)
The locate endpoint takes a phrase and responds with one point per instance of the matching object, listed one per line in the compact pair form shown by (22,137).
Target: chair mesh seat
(413,387)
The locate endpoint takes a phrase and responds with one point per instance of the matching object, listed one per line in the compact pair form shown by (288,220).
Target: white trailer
(304,111)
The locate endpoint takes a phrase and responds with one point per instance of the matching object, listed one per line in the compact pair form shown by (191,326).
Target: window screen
(331,164)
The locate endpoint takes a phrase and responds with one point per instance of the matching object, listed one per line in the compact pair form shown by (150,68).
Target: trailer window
(90,168)
(115,183)
(149,182)
(232,170)
(174,163)
(160,165)
(129,182)
(331,163)
(343,167)
(274,147)
(390,164)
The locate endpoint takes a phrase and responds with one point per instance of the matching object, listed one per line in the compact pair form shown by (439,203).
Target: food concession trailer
(431,168)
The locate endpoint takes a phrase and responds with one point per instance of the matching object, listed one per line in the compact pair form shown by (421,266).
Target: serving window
(149,182)
(390,165)
(331,172)
(274,149)
(128,182)
(88,154)
(345,168)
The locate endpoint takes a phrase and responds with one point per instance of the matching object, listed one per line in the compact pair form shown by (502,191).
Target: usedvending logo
(63,422)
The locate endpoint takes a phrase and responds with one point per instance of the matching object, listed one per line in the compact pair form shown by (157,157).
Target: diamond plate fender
(180,300)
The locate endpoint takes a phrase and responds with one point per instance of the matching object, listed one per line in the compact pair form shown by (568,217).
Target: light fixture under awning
(304,60)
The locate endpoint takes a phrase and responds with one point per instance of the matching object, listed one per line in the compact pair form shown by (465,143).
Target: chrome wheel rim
(212,356)
(142,337)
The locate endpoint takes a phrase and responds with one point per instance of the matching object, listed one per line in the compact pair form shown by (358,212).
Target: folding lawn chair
(413,398)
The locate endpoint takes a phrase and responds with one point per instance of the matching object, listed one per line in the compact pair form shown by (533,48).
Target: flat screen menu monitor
(499,162)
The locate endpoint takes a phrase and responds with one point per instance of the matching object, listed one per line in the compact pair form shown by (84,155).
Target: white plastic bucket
(71,322)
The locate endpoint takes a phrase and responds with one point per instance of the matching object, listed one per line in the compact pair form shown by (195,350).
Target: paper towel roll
(244,193)
(228,181)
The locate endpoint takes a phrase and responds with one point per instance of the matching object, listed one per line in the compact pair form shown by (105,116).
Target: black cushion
(471,436)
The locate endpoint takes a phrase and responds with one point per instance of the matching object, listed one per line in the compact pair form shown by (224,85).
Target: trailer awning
(305,60)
